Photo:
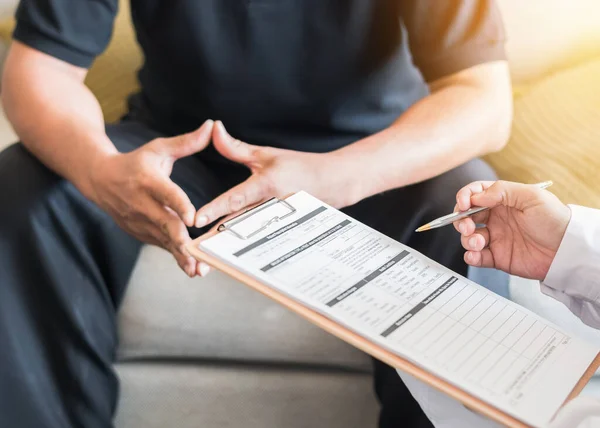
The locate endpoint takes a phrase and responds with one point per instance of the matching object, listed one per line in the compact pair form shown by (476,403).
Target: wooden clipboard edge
(471,402)
(587,375)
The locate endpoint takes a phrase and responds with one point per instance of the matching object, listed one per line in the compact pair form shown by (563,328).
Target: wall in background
(544,35)
(7,7)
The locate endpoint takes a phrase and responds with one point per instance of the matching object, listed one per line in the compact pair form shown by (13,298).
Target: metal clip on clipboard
(229,225)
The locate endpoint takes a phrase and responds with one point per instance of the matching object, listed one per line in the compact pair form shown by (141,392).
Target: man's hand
(523,229)
(275,172)
(135,189)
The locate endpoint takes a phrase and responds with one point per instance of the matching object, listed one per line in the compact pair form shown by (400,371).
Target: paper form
(403,301)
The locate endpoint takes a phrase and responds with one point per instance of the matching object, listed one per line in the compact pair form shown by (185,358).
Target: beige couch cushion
(556,135)
(210,396)
(165,314)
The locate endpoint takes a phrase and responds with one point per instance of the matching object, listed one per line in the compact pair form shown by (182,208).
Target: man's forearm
(56,117)
(464,117)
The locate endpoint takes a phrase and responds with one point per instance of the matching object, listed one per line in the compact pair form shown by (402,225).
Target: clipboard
(232,225)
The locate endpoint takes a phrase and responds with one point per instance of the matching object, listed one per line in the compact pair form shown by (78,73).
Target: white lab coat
(573,279)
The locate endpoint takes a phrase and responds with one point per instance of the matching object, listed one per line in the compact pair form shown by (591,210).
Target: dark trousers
(64,267)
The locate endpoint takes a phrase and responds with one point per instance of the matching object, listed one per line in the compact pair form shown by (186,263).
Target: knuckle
(166,244)
(269,185)
(154,146)
(151,239)
(178,240)
(127,213)
(180,246)
(141,178)
(145,182)
(163,197)
(236,201)
(144,163)
(178,206)
(256,152)
(178,200)
(147,152)
(164,227)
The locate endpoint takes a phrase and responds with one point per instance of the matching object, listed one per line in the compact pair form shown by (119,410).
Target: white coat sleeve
(574,276)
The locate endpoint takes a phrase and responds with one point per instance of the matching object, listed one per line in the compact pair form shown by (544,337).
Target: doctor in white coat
(529,233)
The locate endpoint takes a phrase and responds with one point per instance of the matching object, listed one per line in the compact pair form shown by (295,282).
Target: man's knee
(25,183)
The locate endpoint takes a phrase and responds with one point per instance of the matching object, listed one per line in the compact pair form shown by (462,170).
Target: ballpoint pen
(451,218)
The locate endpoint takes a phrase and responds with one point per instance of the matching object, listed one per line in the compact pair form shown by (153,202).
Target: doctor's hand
(275,173)
(523,229)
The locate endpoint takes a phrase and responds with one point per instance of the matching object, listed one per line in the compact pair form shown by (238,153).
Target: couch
(190,355)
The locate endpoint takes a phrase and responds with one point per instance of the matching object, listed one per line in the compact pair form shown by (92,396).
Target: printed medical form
(394,296)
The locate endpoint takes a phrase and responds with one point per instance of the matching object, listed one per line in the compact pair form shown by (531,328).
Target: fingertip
(474,242)
(203,133)
(219,127)
(190,267)
(201,221)
(472,258)
(471,226)
(466,226)
(458,205)
(462,199)
(188,218)
(203,269)
(219,133)
(455,225)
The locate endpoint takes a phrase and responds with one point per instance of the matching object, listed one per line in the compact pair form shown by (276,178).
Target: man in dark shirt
(377,107)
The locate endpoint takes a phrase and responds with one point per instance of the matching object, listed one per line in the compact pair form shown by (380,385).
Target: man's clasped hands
(135,188)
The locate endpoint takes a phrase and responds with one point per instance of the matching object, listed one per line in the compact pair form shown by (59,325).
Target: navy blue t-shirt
(311,75)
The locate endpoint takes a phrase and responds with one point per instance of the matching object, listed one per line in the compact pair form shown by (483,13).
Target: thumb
(232,148)
(506,193)
(187,144)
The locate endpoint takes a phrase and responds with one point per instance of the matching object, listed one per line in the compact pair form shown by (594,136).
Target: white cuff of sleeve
(575,270)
